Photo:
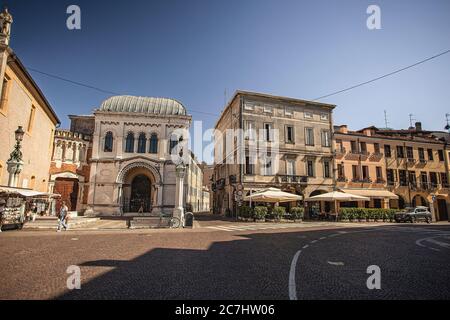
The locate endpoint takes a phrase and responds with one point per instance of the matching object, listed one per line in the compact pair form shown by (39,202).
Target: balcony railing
(341,179)
(291,179)
(359,180)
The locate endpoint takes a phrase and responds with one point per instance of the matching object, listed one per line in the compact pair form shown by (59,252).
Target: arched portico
(139,189)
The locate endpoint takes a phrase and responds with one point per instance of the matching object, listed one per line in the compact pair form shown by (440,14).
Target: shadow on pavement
(257,266)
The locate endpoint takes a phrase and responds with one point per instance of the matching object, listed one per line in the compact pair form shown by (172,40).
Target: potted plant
(245,212)
(297,213)
(260,212)
(278,212)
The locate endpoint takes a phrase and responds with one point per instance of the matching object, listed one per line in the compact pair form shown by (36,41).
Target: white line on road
(292,288)
(338,263)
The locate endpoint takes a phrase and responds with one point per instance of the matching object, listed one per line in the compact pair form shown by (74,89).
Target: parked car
(414,214)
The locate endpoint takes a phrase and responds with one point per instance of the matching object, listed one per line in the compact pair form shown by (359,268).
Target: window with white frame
(309,136)
(268,108)
(249,106)
(324,116)
(326,138)
(290,167)
(308,115)
(268,132)
(326,169)
(288,112)
(249,127)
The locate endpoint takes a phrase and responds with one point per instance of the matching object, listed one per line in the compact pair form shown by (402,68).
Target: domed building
(131,171)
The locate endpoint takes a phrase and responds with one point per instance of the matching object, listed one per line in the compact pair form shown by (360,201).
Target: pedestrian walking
(62,217)
(2,210)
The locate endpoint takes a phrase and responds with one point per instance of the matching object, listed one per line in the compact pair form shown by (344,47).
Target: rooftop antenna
(411,119)
(386,122)
(225,97)
(447,127)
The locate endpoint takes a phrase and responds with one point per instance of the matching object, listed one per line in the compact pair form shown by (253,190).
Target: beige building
(23,104)
(285,143)
(410,164)
(194,185)
(208,173)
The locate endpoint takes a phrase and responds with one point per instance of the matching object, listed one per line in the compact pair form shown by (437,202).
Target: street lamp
(19,134)
(15,163)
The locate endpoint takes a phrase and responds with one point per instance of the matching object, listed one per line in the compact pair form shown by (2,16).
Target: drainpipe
(407,174)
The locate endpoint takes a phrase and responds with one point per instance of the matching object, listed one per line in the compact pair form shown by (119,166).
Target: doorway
(140,194)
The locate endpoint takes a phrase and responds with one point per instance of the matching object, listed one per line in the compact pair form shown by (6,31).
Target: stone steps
(148,222)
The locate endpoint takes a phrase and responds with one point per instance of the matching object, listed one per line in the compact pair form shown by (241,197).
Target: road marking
(338,263)
(305,246)
(292,287)
(314,241)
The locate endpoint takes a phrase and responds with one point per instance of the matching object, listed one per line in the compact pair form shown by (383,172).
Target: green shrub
(260,212)
(245,212)
(297,213)
(361,214)
(278,212)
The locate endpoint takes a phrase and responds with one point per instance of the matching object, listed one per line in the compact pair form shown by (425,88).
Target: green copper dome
(131,104)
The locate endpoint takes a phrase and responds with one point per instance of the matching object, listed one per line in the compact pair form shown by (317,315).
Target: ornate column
(180,172)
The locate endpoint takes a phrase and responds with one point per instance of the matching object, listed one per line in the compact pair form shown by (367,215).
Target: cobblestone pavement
(238,264)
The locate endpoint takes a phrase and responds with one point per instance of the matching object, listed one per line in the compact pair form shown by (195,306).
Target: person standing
(2,210)
(62,217)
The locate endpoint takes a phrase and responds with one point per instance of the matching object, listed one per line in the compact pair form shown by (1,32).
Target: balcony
(380,181)
(364,180)
(357,155)
(341,179)
(376,156)
(292,179)
(411,161)
(340,153)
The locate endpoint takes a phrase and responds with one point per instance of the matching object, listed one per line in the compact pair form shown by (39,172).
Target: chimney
(343,129)
(418,126)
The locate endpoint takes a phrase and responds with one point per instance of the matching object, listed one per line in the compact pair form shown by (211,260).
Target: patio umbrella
(273,195)
(337,196)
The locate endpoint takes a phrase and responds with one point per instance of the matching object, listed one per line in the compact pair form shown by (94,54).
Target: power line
(216,114)
(100,89)
(383,76)
(72,82)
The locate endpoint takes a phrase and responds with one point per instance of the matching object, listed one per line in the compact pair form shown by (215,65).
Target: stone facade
(412,164)
(303,163)
(70,170)
(131,150)
(23,104)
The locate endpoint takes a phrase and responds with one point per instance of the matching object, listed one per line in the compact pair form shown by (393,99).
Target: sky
(200,51)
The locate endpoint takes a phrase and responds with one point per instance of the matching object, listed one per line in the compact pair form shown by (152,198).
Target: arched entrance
(68,189)
(397,203)
(418,200)
(442,212)
(139,189)
(140,196)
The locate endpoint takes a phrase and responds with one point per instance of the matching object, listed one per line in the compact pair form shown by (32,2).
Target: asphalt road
(326,262)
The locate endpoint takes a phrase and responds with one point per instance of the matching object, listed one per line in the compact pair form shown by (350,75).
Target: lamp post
(15,162)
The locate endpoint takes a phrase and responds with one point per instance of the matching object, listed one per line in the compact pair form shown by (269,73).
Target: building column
(179,208)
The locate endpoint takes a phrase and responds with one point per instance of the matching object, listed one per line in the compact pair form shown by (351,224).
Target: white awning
(372,193)
(337,196)
(25,192)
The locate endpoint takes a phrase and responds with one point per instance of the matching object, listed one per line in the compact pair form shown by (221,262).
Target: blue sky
(194,50)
